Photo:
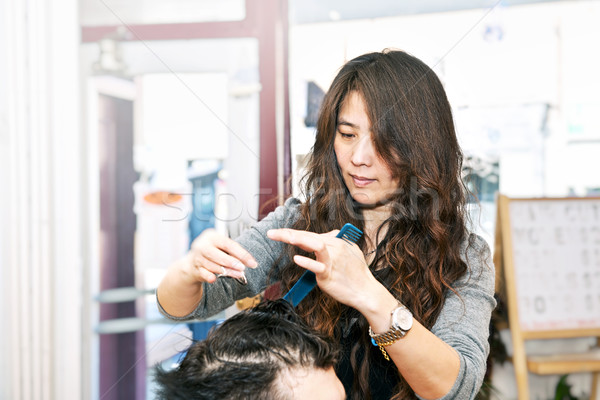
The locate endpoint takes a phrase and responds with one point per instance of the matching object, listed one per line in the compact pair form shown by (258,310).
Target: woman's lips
(361,181)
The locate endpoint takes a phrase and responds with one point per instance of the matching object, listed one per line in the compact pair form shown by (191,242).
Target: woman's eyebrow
(347,123)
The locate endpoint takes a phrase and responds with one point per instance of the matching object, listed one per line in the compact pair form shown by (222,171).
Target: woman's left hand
(340,267)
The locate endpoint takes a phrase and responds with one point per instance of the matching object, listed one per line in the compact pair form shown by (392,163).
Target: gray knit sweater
(463,322)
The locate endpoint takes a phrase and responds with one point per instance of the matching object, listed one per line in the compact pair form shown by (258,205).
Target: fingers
(307,241)
(217,256)
(326,247)
(199,269)
(211,239)
(214,255)
(310,264)
(339,266)
(210,270)
(235,251)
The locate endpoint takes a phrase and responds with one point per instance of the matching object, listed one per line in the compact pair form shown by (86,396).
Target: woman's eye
(346,135)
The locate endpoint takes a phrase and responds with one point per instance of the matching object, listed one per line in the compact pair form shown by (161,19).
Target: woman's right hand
(213,255)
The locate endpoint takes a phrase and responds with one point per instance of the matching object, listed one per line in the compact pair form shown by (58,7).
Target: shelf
(564,363)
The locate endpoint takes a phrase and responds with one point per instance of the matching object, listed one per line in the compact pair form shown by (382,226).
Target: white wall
(6,383)
(41,247)
(114,12)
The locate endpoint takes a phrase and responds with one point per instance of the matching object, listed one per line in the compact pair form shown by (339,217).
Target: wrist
(176,293)
(376,306)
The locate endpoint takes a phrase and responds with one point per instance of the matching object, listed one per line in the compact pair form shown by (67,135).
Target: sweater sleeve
(464,322)
(225,291)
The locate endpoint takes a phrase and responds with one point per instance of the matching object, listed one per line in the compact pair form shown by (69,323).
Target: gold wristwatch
(402,320)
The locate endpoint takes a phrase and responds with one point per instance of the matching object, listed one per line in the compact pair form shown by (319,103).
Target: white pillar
(40,159)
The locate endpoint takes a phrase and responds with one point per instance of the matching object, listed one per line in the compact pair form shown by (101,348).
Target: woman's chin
(362,199)
(365,201)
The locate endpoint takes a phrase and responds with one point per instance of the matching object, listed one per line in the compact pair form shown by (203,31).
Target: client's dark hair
(243,357)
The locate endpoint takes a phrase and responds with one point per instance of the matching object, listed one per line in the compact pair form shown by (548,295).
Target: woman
(418,284)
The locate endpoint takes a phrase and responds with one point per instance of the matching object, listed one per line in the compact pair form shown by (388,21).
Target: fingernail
(242,279)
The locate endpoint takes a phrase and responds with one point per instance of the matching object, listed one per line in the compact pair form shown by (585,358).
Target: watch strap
(389,337)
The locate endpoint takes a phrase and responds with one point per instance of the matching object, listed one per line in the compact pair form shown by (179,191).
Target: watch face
(403,318)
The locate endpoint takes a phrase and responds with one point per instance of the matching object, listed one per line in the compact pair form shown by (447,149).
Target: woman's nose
(363,151)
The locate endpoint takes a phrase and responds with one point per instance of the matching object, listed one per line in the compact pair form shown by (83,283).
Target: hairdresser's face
(366,175)
(315,384)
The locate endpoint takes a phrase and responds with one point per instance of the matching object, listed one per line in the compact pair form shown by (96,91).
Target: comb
(308,280)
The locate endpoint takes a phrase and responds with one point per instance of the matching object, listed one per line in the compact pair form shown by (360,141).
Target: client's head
(266,352)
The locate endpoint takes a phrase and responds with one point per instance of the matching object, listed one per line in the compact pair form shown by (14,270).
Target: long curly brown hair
(419,257)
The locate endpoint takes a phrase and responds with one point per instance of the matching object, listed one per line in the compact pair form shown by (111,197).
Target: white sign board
(556,258)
